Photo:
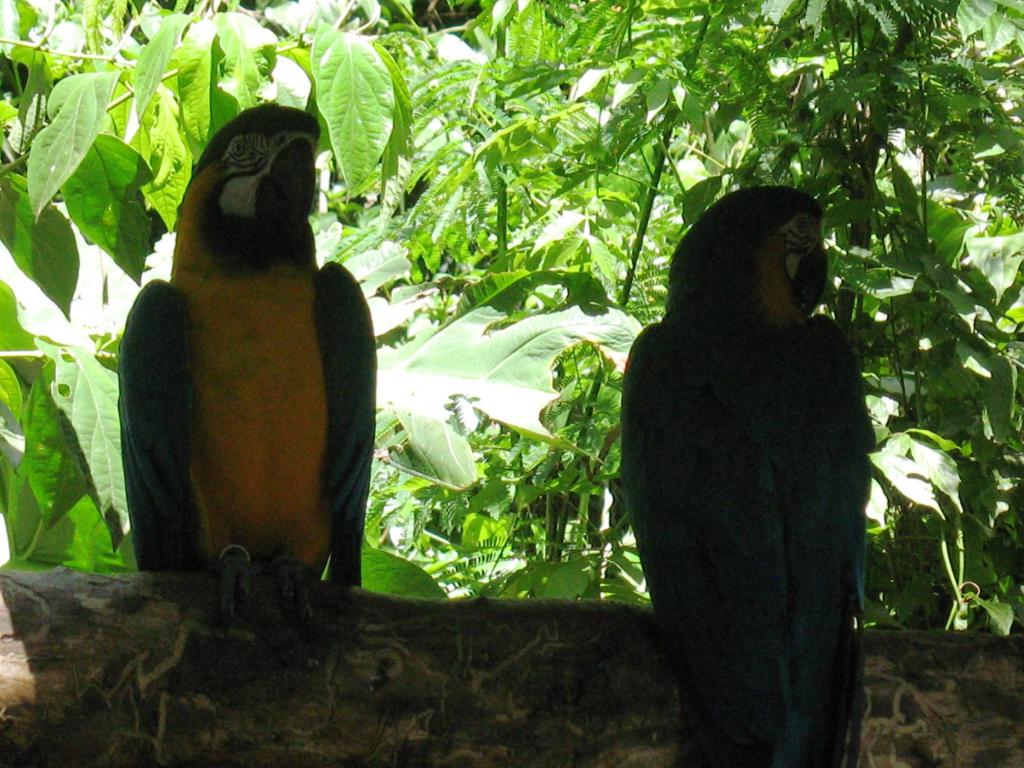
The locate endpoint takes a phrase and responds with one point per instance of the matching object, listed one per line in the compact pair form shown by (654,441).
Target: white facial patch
(250,156)
(802,234)
(238,198)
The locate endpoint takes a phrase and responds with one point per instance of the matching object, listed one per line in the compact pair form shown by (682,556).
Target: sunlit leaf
(393,575)
(506,371)
(12,335)
(43,245)
(248,56)
(78,111)
(154,58)
(434,450)
(999,259)
(160,142)
(396,163)
(356,97)
(54,473)
(86,393)
(103,199)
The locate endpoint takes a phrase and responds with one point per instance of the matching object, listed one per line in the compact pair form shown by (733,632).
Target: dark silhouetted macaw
(745,468)
(248,381)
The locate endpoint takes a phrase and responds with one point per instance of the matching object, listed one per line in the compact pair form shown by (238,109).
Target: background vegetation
(508,181)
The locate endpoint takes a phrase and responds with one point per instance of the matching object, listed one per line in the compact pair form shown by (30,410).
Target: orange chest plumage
(259,408)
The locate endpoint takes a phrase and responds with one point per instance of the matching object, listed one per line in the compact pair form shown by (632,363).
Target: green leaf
(10,387)
(42,244)
(1000,394)
(32,105)
(568,580)
(906,478)
(12,335)
(160,143)
(356,96)
(774,10)
(54,473)
(78,108)
(154,58)
(999,614)
(973,15)
(248,56)
(103,199)
(204,106)
(505,372)
(393,575)
(999,259)
(435,451)
(396,163)
(376,266)
(86,393)
(10,23)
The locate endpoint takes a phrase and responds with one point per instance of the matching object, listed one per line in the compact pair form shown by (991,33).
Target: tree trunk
(134,670)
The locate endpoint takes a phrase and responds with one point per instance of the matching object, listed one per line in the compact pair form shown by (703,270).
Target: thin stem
(59,54)
(660,156)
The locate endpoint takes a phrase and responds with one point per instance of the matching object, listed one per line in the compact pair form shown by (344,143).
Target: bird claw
(293,579)
(236,574)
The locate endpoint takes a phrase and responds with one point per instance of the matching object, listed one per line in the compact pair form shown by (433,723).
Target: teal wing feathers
(155,411)
(349,355)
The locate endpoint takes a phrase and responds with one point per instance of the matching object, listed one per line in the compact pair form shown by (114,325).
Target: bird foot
(236,570)
(294,580)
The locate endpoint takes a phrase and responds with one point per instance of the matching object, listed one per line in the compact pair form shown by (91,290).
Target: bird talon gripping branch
(248,381)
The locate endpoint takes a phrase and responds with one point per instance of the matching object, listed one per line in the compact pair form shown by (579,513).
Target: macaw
(247,382)
(745,470)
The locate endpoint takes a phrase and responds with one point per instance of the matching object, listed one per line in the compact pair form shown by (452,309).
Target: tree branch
(131,670)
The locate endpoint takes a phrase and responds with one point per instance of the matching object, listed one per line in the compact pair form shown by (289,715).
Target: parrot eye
(247,151)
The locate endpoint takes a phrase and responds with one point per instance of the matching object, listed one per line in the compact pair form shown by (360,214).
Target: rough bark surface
(127,671)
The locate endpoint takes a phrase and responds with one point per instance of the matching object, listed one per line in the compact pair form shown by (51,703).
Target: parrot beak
(289,186)
(807,277)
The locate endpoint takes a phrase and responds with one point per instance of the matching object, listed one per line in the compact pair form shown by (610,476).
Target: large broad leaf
(104,201)
(154,58)
(393,575)
(973,15)
(42,244)
(86,394)
(504,372)
(434,450)
(356,97)
(78,109)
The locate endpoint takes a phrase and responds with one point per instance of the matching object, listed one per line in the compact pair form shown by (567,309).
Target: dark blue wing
(154,406)
(745,470)
(705,508)
(350,372)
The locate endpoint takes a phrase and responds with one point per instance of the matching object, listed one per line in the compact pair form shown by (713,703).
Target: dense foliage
(508,183)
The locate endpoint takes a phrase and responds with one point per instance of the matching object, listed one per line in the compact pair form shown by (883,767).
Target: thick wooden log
(127,671)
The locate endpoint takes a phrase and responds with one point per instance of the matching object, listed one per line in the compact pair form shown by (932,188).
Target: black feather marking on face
(713,272)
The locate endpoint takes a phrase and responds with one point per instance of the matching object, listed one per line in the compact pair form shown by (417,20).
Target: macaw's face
(757,253)
(792,268)
(253,189)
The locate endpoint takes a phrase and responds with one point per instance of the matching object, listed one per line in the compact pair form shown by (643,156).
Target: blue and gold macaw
(745,469)
(248,381)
